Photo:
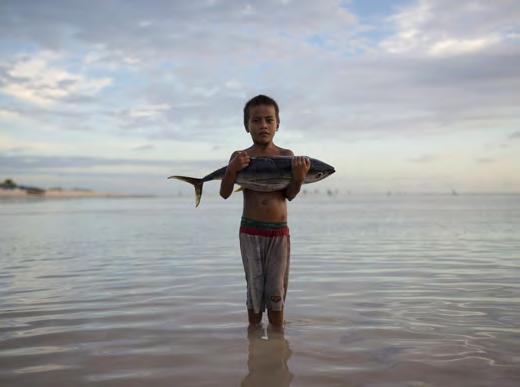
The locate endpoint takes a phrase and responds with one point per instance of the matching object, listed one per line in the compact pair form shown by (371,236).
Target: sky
(401,96)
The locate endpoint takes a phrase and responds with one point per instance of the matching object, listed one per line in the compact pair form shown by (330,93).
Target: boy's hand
(239,162)
(300,168)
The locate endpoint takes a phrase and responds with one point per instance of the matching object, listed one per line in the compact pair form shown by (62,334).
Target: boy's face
(262,124)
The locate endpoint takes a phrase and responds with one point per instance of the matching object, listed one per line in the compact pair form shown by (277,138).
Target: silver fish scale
(265,174)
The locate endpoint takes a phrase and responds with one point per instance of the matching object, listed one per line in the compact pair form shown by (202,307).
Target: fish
(264,174)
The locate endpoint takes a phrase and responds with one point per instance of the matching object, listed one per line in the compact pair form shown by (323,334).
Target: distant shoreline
(62,193)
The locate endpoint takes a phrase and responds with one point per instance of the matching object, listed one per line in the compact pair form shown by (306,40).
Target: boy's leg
(275,317)
(277,278)
(252,261)
(254,318)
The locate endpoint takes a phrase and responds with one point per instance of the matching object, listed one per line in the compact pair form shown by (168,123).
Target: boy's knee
(276,299)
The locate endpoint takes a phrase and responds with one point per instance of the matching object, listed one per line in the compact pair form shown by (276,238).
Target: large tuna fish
(263,174)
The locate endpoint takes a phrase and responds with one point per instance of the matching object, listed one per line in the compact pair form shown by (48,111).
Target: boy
(264,236)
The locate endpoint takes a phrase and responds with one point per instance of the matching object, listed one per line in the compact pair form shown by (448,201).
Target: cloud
(39,81)
(451,46)
(100,57)
(172,27)
(485,160)
(142,117)
(18,149)
(8,114)
(150,111)
(26,163)
(445,66)
(144,147)
(444,28)
(428,158)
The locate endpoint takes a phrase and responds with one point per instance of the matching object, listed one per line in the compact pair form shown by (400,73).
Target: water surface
(384,291)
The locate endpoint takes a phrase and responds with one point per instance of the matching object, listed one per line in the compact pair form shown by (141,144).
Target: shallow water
(384,291)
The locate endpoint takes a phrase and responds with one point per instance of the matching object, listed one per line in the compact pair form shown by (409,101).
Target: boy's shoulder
(253,151)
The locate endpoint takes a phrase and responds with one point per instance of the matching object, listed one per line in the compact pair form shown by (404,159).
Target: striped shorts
(265,249)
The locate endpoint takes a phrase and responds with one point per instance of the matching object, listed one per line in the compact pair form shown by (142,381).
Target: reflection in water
(267,361)
(435,301)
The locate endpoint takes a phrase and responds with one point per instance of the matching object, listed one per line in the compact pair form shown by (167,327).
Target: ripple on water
(386,293)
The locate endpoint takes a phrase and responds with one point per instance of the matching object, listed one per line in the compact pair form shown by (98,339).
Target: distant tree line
(10,184)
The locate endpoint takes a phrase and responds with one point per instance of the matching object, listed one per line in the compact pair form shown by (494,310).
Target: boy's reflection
(268,355)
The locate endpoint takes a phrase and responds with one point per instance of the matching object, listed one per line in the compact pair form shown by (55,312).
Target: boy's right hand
(239,162)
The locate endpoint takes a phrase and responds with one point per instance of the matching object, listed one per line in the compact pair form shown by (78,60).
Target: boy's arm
(237,162)
(300,168)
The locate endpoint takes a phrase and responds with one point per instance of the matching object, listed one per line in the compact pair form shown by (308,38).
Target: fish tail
(197,183)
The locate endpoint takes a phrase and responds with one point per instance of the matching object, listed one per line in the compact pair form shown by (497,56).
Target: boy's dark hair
(260,100)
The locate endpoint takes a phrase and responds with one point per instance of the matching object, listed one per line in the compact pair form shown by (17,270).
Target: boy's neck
(264,148)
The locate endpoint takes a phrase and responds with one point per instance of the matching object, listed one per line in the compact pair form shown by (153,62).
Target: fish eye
(319,174)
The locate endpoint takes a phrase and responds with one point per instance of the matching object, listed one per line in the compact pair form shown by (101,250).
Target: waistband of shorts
(257,227)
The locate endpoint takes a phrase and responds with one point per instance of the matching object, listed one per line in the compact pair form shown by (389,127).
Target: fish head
(318,171)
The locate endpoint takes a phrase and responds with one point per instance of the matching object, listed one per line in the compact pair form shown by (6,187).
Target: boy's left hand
(300,167)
